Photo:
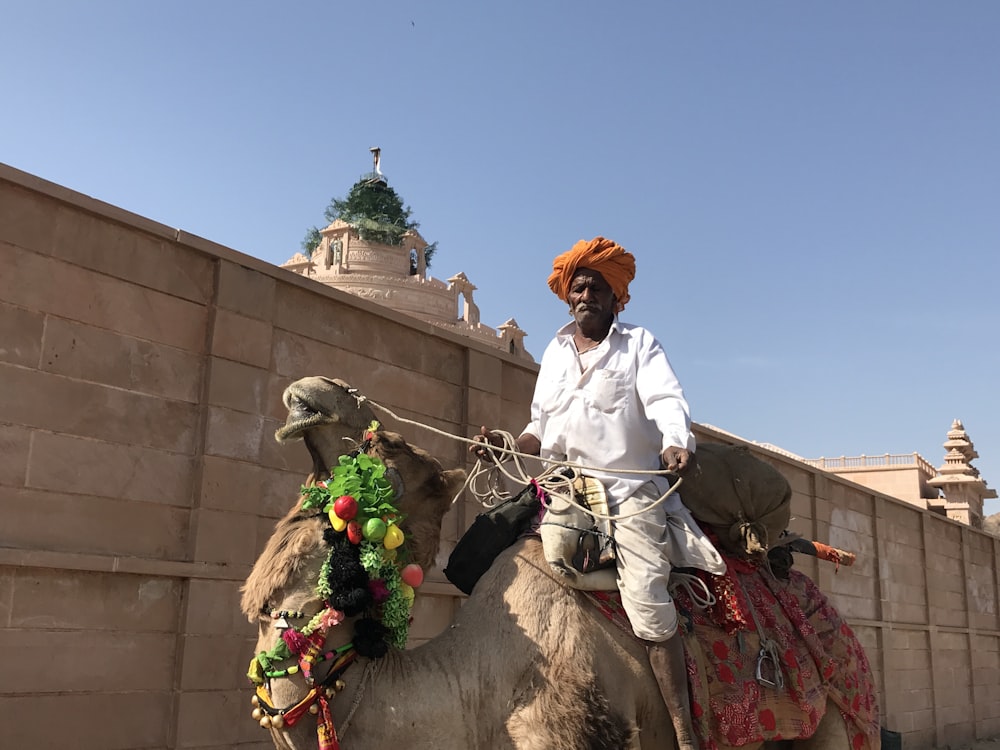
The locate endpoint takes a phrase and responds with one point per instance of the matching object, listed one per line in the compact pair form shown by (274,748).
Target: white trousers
(646,547)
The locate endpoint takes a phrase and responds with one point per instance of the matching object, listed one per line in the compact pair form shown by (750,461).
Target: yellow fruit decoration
(407,591)
(393,537)
(338,523)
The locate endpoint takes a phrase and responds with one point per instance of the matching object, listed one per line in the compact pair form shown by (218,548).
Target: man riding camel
(606,396)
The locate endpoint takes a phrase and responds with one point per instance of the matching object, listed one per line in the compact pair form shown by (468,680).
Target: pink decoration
(331,617)
(379,590)
(295,641)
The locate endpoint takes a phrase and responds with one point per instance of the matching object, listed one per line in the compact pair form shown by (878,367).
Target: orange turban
(608,258)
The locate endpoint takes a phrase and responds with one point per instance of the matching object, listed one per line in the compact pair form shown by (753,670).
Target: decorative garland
(365,572)
(365,569)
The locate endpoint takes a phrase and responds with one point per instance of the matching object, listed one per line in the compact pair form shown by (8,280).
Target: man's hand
(484,439)
(675,459)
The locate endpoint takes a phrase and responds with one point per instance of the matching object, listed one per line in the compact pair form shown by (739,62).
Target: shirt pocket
(609,390)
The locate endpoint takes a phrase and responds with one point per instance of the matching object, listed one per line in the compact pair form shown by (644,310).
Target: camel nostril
(298,410)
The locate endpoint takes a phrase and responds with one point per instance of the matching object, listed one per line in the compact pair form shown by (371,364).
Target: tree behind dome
(375,210)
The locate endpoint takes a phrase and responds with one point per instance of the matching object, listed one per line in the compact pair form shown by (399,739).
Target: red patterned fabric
(819,656)
(326,734)
(610,604)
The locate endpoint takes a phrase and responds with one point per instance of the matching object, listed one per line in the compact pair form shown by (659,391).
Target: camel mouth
(301,419)
(304,413)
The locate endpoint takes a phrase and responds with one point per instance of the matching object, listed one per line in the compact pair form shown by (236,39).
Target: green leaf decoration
(363,478)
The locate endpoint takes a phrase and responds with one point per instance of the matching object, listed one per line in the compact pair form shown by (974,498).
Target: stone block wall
(141,370)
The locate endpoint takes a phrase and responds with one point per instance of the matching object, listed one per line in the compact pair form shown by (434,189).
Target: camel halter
(317,702)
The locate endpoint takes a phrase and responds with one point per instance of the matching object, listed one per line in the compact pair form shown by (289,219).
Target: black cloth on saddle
(780,561)
(490,534)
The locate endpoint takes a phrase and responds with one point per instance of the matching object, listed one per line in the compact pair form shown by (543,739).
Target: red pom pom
(295,641)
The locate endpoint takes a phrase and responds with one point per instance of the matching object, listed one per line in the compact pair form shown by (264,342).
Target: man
(606,396)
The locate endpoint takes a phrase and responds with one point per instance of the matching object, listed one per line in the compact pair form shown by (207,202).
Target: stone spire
(959,481)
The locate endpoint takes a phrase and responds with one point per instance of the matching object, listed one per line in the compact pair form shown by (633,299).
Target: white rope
(362,399)
(697,590)
(490,473)
(368,676)
(552,481)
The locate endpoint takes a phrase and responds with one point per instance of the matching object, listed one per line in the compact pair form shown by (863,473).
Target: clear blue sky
(811,189)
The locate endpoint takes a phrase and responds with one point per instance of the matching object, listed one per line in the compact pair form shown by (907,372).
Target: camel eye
(396,480)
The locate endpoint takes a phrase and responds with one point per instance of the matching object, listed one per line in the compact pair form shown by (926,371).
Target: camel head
(308,570)
(331,417)
(325,413)
(424,491)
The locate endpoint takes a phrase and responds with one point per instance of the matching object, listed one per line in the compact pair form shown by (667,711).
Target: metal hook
(767,654)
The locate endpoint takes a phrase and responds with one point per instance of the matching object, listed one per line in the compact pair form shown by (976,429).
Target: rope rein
(698,592)
(367,677)
(551,481)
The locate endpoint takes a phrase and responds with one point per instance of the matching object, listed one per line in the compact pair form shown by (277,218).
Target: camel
(527,664)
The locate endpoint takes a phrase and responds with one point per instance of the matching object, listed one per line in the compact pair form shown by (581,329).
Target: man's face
(590,298)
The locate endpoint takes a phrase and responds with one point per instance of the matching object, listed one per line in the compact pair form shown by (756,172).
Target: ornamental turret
(958,480)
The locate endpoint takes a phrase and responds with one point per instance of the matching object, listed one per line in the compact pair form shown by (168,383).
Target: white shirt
(619,411)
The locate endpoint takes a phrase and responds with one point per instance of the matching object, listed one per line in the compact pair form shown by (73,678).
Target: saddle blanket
(814,655)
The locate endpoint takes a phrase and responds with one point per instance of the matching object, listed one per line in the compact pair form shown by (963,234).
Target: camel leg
(667,660)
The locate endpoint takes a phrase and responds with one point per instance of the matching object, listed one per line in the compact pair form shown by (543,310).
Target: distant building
(395,275)
(905,476)
(954,489)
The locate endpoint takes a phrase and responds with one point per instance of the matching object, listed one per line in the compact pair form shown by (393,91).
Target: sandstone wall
(141,372)
(140,378)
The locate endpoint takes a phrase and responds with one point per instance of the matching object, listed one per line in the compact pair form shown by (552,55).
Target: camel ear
(423,524)
(453,481)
